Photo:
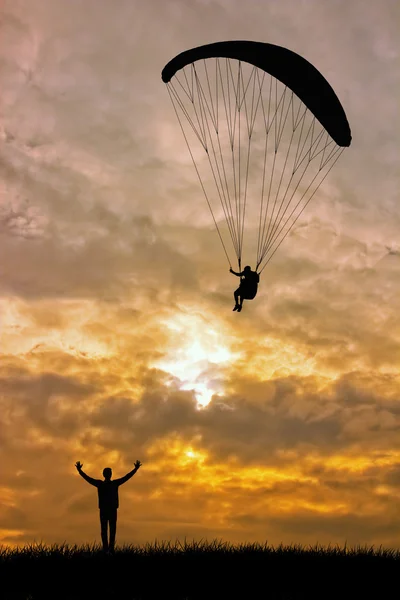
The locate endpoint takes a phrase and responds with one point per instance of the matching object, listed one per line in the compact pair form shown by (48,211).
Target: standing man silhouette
(108,500)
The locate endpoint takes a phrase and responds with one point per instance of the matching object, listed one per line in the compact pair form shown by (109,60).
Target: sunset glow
(197,356)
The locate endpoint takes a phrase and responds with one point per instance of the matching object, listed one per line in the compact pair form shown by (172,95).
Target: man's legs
(104,524)
(113,528)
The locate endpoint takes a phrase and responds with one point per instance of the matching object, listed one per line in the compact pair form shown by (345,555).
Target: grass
(197,571)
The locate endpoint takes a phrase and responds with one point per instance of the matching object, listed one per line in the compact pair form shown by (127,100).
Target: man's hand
(79,465)
(138,464)
(231,270)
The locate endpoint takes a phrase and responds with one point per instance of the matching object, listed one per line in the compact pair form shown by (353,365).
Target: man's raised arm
(90,480)
(125,478)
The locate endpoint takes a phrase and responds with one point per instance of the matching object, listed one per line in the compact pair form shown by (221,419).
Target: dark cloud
(13,517)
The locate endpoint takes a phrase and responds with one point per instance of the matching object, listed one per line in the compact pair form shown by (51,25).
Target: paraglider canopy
(291,69)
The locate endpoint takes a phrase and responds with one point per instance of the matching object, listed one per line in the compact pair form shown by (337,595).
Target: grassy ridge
(197,571)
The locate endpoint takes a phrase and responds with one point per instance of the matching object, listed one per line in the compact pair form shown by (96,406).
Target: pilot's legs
(238,299)
(236,296)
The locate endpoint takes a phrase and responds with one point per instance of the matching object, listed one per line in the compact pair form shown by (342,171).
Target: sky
(118,341)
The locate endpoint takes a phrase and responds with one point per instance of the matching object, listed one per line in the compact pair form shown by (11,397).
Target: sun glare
(197,355)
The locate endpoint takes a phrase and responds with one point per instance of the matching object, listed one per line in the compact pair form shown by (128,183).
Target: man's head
(107,472)
(247,269)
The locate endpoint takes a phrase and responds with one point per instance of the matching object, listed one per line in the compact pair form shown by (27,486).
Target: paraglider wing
(288,67)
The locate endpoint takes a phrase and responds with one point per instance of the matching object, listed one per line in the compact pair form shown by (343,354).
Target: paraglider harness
(248,288)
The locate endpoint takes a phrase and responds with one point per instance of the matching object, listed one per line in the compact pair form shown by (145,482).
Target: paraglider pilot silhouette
(108,500)
(247,289)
